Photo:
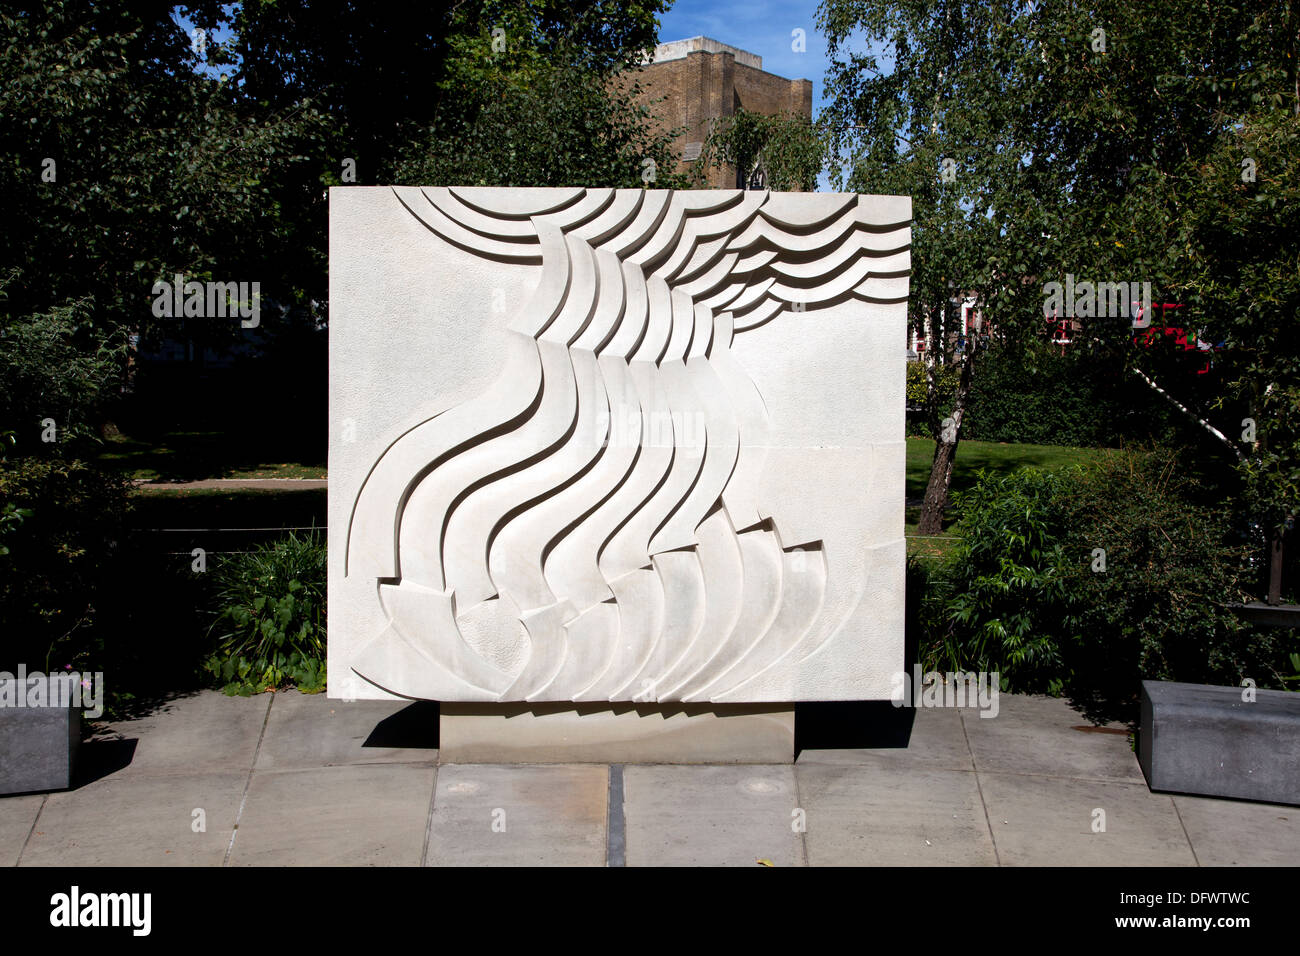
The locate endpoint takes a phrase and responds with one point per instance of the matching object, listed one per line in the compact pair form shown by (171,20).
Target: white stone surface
(616,445)
(615,733)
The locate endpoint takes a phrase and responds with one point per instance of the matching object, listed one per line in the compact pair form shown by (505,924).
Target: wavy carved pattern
(589,527)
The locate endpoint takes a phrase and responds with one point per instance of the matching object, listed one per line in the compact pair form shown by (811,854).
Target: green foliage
(160,166)
(64,525)
(917,383)
(531,95)
(11,516)
(947,95)
(560,128)
(55,366)
(1160,609)
(932,403)
(121,165)
(787,146)
(1024,593)
(270,618)
(1026,394)
(1113,164)
(491,92)
(1006,593)
(1294,676)
(1031,393)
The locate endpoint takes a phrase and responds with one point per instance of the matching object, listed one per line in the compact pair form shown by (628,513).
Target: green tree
(120,166)
(1106,141)
(494,92)
(789,150)
(925,111)
(1085,581)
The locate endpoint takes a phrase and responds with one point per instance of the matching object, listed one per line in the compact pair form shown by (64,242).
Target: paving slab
(1047,821)
(1044,735)
(882,814)
(206,732)
(17,814)
(372,815)
(138,820)
(1236,833)
(521,815)
(711,816)
(309,730)
(936,741)
(351,784)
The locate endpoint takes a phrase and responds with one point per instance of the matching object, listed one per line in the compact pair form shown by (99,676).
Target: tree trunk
(1220,436)
(945,452)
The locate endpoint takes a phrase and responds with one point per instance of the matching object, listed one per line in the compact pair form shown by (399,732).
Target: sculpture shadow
(413,727)
(851,725)
(99,757)
(864,724)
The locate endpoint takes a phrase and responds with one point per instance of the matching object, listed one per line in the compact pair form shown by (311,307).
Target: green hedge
(1036,395)
(1024,592)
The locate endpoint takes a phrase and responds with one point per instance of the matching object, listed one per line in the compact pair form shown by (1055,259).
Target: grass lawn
(998,458)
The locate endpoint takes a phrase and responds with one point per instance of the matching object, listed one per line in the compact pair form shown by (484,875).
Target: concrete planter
(1209,741)
(38,743)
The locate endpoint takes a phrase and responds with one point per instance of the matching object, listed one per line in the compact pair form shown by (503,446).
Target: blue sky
(759,26)
(763,27)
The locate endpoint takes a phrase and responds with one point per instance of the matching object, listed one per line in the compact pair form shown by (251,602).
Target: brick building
(699,80)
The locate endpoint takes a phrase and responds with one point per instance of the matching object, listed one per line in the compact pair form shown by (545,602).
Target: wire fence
(214,532)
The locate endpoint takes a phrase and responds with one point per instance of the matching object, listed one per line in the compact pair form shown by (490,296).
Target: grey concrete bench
(1205,740)
(38,744)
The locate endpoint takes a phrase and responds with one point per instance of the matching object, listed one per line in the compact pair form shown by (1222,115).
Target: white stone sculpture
(602,445)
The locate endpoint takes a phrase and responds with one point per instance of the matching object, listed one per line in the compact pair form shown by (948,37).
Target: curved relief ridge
(593,493)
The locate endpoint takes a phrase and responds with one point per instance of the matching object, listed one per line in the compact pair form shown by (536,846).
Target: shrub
(270,618)
(1003,596)
(1161,609)
(64,524)
(80,589)
(56,366)
(1025,593)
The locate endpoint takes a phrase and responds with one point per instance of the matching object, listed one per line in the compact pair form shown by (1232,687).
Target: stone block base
(616,733)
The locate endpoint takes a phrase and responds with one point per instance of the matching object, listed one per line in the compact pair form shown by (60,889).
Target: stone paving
(289,779)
